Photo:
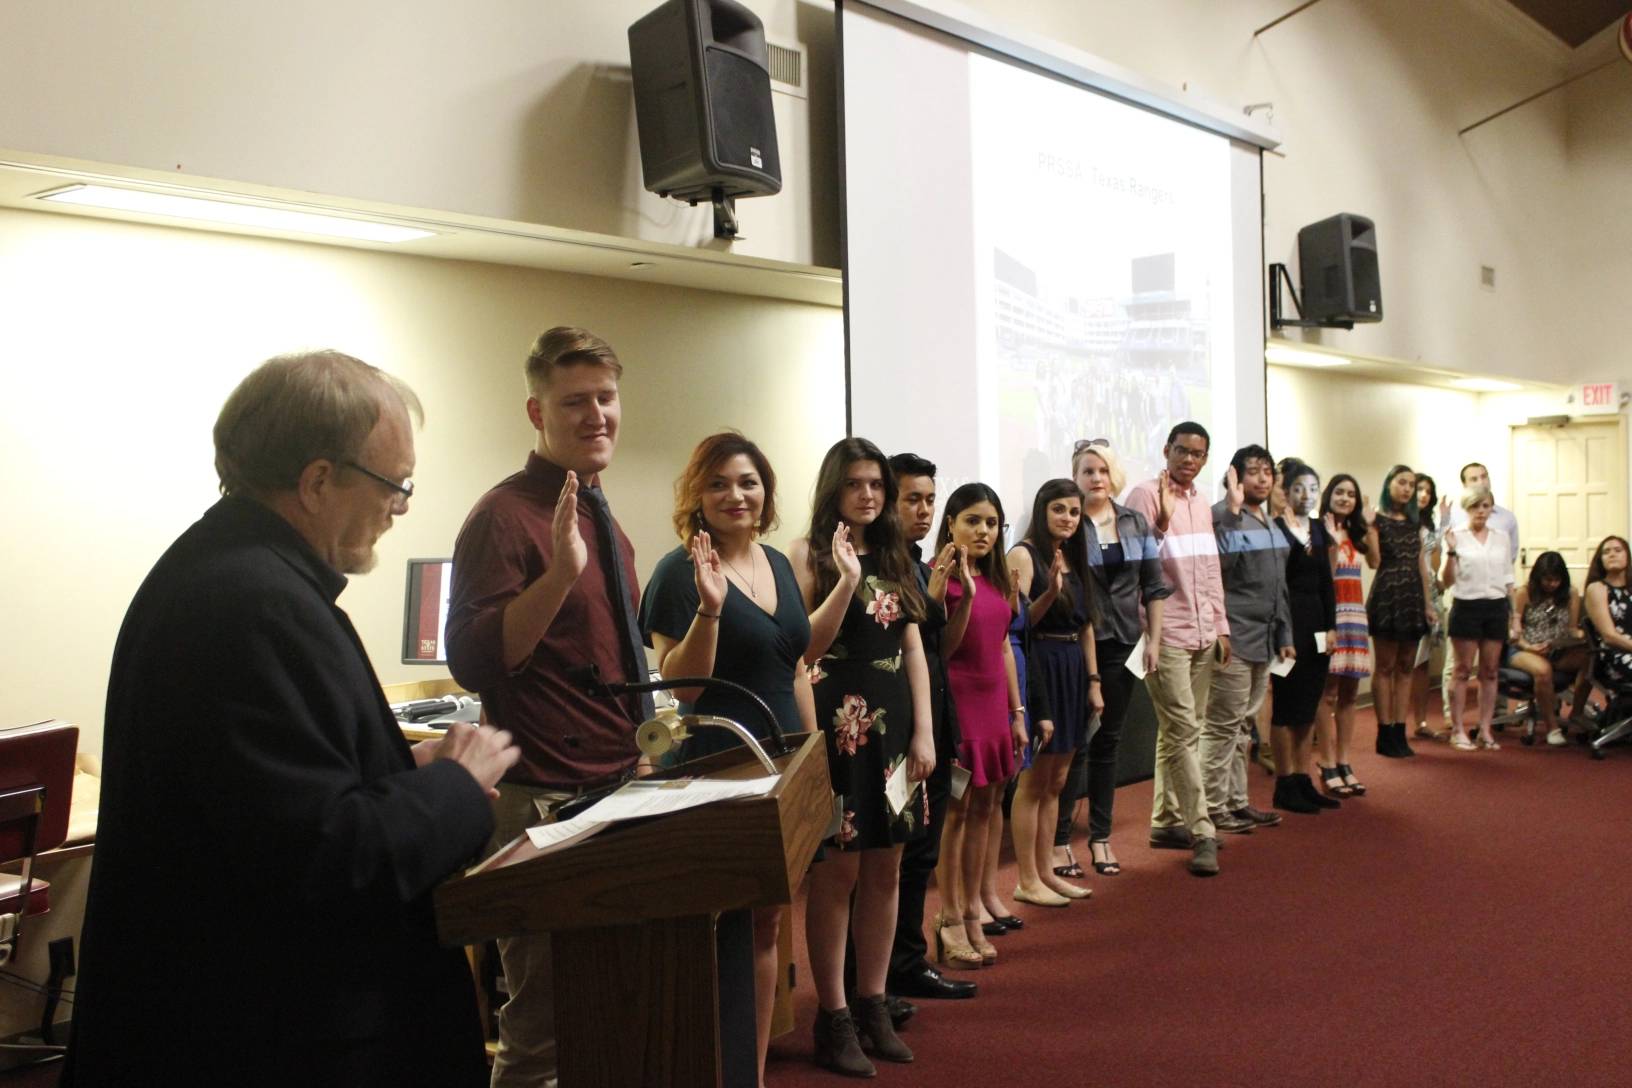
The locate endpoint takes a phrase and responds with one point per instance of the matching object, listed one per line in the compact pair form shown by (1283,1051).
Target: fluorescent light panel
(1281,355)
(1485,385)
(255,216)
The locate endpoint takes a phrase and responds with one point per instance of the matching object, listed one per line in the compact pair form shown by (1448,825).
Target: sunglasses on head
(1089,443)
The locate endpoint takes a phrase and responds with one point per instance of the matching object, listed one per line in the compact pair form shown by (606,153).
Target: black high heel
(1332,779)
(1355,788)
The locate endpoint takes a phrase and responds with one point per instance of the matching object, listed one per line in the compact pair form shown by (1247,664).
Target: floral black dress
(864,705)
(1613,668)
(1397,609)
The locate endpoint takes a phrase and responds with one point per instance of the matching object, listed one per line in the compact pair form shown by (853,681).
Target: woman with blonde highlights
(724,605)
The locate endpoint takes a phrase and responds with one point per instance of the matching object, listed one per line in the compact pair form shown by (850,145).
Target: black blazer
(259,907)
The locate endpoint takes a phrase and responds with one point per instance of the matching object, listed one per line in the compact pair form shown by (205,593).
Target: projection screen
(1030,261)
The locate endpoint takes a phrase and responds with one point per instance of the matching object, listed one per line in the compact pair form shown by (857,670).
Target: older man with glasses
(260,909)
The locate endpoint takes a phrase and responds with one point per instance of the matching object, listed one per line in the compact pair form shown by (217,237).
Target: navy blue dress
(755,648)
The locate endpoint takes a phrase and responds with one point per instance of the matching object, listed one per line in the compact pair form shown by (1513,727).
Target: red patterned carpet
(1461,924)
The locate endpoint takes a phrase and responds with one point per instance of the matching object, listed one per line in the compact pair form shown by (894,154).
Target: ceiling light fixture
(1283,355)
(256,216)
(1485,385)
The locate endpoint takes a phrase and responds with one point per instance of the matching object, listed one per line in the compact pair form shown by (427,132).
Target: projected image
(1104,308)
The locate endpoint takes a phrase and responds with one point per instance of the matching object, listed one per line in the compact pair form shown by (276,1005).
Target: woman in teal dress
(724,605)
(871,689)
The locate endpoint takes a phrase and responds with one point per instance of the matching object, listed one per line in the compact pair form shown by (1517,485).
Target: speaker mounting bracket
(1278,273)
(725,216)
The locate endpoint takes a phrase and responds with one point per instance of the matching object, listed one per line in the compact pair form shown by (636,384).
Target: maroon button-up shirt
(566,735)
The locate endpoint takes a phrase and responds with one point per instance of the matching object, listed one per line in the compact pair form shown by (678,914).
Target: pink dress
(980,685)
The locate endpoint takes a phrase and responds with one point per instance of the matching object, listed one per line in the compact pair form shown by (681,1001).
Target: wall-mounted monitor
(425,612)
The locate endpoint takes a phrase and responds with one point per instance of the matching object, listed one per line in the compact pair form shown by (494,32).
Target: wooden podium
(643,958)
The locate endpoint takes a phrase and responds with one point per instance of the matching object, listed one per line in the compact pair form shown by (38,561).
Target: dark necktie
(623,610)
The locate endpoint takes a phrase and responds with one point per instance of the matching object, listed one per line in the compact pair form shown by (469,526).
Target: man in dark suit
(259,910)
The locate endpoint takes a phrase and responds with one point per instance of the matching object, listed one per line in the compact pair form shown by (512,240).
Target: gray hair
(298,408)
(1476,495)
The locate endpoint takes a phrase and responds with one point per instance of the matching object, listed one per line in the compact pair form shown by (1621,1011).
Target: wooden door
(1569,489)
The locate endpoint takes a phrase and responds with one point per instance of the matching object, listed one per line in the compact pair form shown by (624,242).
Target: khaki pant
(1178,691)
(1236,696)
(526,1057)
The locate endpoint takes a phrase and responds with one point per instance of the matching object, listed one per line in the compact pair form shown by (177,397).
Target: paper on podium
(1136,659)
(545,836)
(1282,665)
(658,796)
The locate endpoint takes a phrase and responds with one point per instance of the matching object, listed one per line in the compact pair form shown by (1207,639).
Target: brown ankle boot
(874,1026)
(837,1047)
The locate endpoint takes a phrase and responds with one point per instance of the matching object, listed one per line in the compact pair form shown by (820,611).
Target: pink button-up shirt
(1193,618)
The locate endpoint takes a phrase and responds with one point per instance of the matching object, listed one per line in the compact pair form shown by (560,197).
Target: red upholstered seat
(11,895)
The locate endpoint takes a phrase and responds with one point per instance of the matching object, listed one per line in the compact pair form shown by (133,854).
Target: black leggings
(1093,769)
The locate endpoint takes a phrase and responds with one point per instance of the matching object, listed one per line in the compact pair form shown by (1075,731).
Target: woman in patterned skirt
(1400,608)
(871,688)
(1350,528)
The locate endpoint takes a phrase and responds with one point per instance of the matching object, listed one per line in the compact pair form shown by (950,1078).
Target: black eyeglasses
(404,490)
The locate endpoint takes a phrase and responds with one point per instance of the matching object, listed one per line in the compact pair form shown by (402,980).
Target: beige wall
(1368,98)
(513,109)
(122,341)
(1593,344)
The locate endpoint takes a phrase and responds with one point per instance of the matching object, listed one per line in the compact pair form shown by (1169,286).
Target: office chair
(36,785)
(1519,689)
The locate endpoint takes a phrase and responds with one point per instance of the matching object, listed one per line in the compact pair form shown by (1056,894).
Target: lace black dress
(1396,608)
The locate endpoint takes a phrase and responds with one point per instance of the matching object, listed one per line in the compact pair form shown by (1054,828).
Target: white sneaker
(1557,739)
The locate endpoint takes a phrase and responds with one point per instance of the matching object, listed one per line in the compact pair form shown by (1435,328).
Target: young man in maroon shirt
(544,585)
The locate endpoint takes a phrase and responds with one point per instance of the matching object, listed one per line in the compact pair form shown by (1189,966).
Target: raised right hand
(706,573)
(1368,511)
(568,550)
(482,750)
(1056,573)
(966,577)
(1234,494)
(1333,529)
(1164,500)
(940,571)
(844,555)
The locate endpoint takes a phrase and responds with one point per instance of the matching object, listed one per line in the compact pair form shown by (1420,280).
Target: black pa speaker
(1337,260)
(703,101)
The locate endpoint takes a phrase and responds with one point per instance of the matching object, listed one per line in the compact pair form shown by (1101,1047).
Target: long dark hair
(1355,523)
(1427,513)
(1595,569)
(1385,502)
(1549,565)
(1074,548)
(884,537)
(996,565)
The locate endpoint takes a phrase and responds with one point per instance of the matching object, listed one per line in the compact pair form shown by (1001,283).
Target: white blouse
(1484,572)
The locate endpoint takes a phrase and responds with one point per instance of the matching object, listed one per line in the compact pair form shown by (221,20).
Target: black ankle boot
(876,1029)
(1391,741)
(1289,796)
(1313,794)
(837,1047)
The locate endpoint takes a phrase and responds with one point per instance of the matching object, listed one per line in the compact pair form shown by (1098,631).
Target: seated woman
(1609,608)
(1545,631)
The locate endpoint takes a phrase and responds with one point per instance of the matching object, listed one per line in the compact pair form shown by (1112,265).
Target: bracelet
(1013,710)
(708,615)
(1093,678)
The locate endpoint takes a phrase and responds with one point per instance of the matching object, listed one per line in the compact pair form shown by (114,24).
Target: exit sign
(1599,398)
